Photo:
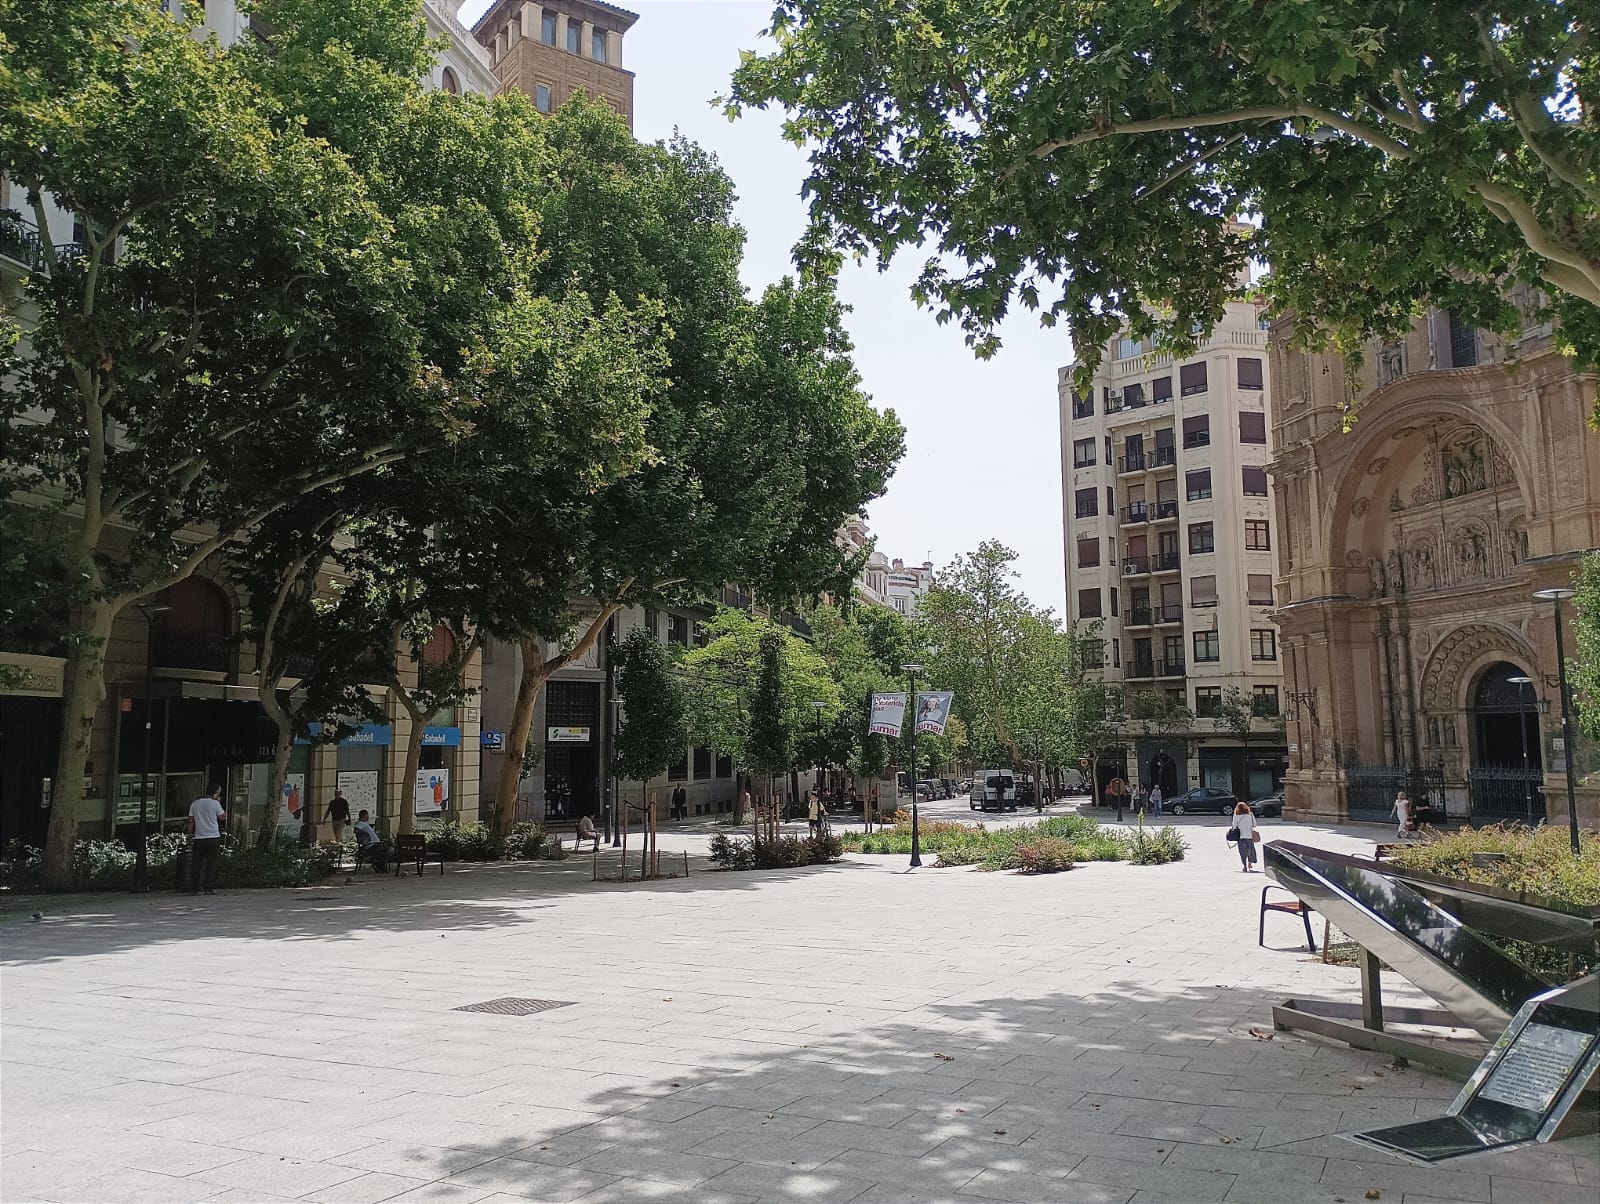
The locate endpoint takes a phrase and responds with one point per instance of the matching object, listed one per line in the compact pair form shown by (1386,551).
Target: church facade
(1419,519)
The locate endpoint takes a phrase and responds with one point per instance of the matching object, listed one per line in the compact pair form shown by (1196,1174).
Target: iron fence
(1495,795)
(1370,791)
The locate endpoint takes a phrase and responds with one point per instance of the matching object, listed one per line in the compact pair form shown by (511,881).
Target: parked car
(1203,800)
(1268,807)
(928,790)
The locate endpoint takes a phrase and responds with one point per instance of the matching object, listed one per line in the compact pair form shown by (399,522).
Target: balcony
(1137,616)
(1164,456)
(1172,612)
(1135,566)
(19,242)
(1165,562)
(1171,666)
(1162,511)
(1134,463)
(1137,512)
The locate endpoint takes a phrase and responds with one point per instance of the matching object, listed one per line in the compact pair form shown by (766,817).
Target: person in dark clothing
(680,804)
(337,814)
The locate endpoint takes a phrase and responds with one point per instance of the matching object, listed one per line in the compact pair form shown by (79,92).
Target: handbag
(1233,834)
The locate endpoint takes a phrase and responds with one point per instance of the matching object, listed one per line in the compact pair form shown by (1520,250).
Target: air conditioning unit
(1130,569)
(1114,399)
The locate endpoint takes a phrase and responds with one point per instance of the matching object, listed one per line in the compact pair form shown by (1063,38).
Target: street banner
(888,713)
(933,711)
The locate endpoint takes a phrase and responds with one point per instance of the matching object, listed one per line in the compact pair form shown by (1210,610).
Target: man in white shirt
(369,846)
(206,818)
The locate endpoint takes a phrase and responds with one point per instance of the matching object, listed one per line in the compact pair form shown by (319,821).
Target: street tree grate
(513,1006)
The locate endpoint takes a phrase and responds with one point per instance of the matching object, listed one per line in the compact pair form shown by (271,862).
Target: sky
(982,437)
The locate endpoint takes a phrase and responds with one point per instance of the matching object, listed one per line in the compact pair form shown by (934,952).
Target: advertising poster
(431,792)
(360,789)
(888,713)
(933,711)
(294,801)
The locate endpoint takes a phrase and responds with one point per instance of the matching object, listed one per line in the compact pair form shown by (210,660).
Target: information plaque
(1523,1089)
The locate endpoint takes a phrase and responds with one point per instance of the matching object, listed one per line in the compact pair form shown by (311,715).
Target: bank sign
(373,735)
(567,735)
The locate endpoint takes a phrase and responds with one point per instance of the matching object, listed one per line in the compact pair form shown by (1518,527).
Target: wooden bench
(412,847)
(1292,907)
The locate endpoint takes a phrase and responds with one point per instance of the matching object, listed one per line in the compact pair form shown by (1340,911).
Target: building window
(541,97)
(1257,535)
(1128,348)
(597,45)
(547,29)
(1252,428)
(724,766)
(1263,644)
(1198,483)
(1207,646)
(1463,344)
(1249,374)
(1207,701)
(1089,603)
(702,762)
(449,83)
(1108,449)
(1111,501)
(1116,654)
(1202,537)
(1087,502)
(678,771)
(1088,553)
(1255,482)
(1258,589)
(1083,404)
(1092,653)
(678,630)
(1192,379)
(1161,389)
(1197,430)
(1265,701)
(1083,453)
(1132,396)
(1116,594)
(1202,591)
(574,36)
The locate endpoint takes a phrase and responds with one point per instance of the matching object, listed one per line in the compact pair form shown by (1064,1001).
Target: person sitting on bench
(586,831)
(368,847)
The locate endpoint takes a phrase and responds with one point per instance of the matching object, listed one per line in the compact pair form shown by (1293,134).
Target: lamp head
(1520,681)
(913,667)
(1556,593)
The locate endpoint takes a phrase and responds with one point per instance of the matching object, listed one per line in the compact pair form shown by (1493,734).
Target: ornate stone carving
(1500,471)
(1423,494)
(1391,362)
(1395,504)
(1395,572)
(1433,731)
(1376,467)
(1380,582)
(1352,558)
(1516,539)
(1360,506)
(1441,677)
(1469,550)
(1420,570)
(1465,463)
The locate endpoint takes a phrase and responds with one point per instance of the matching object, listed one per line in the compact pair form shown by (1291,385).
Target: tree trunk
(83,689)
(535,671)
(407,819)
(280,768)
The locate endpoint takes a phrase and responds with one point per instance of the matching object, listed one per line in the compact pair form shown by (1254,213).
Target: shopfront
(572,749)
(193,744)
(360,762)
(432,791)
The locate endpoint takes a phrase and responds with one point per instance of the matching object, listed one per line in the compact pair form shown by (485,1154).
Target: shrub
(465,842)
(787,852)
(19,866)
(525,842)
(1044,855)
(109,864)
(1155,846)
(996,848)
(1537,861)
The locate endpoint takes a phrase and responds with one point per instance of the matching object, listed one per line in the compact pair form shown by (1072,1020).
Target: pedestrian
(680,804)
(369,845)
(1155,800)
(1138,800)
(206,818)
(1116,791)
(586,831)
(1402,812)
(1244,824)
(338,814)
(816,814)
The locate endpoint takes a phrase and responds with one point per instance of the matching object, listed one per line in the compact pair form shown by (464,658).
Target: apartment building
(549,51)
(1170,548)
(179,658)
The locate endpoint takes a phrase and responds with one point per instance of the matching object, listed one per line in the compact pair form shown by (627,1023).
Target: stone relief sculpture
(1516,544)
(1419,565)
(1471,553)
(1433,731)
(1391,362)
(1465,470)
(1380,582)
(1395,572)
(1360,506)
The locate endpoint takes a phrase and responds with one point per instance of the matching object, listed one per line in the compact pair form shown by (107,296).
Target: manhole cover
(512,1006)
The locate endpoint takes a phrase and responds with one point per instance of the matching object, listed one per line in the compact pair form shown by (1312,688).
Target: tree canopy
(1091,159)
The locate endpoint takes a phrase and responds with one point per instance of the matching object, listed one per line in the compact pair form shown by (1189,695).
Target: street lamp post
(911,711)
(613,786)
(817,707)
(141,854)
(1522,730)
(1556,594)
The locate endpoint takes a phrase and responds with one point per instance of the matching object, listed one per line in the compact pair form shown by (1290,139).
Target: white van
(996,788)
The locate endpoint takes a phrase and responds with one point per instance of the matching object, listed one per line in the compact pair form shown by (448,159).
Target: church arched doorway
(1507,768)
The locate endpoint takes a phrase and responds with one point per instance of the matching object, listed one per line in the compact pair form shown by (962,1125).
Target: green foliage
(465,842)
(525,842)
(787,852)
(109,864)
(1155,846)
(654,731)
(1090,160)
(999,848)
(1584,669)
(770,747)
(1538,861)
(1044,855)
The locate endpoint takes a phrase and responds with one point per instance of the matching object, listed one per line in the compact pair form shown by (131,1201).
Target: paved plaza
(842,1033)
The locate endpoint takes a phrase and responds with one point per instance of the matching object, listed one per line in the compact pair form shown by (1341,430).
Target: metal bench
(1292,907)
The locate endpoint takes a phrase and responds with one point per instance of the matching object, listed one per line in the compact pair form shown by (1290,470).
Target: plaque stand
(1522,1092)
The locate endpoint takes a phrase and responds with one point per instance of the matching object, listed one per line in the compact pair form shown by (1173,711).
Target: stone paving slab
(947,1035)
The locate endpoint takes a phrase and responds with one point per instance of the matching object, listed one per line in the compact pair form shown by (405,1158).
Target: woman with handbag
(1245,835)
